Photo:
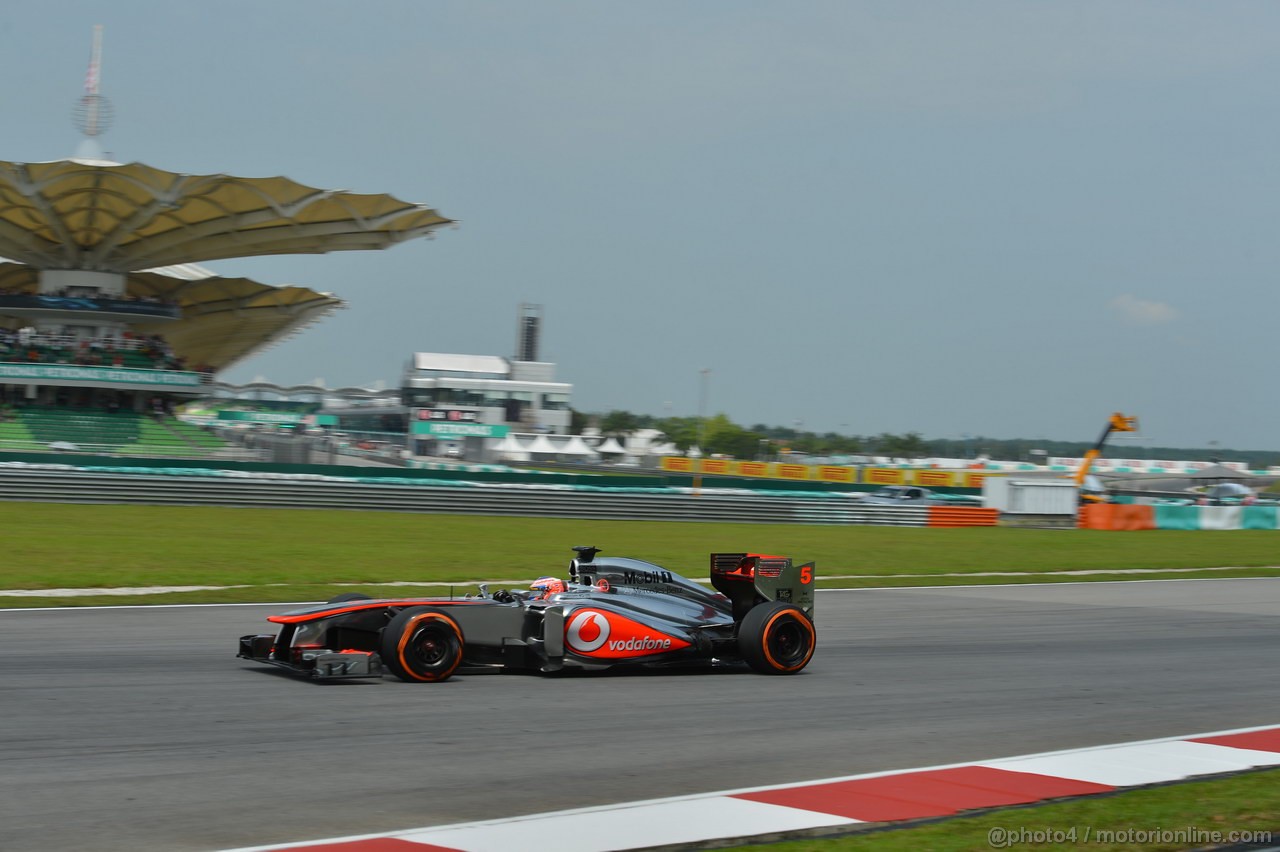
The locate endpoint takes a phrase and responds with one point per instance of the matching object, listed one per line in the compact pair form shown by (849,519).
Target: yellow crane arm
(1117,423)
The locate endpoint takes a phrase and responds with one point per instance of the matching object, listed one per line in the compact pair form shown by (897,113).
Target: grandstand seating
(80,427)
(120,432)
(14,433)
(154,439)
(134,357)
(195,435)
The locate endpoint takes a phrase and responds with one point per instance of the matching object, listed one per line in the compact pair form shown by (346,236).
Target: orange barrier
(1116,516)
(962,516)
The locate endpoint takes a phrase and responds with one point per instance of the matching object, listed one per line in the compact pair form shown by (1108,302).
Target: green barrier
(343,471)
(399,475)
(389,476)
(1259,518)
(429,482)
(1177,517)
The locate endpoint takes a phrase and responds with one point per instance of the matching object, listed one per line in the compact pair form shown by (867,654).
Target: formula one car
(611,612)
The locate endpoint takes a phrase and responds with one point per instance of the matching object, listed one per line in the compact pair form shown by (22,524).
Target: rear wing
(748,579)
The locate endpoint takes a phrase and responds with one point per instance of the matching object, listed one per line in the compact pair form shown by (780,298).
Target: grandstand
(119,432)
(107,325)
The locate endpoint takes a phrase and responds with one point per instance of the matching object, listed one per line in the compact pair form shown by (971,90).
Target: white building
(456,402)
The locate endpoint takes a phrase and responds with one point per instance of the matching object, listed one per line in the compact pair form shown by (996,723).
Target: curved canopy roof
(223,319)
(96,215)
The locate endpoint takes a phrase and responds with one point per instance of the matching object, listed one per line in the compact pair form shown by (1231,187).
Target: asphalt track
(137,729)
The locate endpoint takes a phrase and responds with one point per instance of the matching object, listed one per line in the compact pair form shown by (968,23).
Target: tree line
(721,436)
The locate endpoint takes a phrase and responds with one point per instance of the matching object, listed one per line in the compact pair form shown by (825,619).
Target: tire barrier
(963,516)
(190,489)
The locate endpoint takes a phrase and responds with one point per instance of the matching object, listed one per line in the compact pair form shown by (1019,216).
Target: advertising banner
(113,375)
(260,416)
(826,473)
(451,414)
(459,430)
(934,478)
(884,476)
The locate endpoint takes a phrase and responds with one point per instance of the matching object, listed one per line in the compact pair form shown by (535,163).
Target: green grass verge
(289,554)
(1248,802)
(293,555)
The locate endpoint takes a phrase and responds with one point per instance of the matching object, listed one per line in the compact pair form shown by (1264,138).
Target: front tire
(422,644)
(346,597)
(776,638)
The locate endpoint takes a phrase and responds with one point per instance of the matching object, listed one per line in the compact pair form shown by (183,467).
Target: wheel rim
(789,643)
(429,647)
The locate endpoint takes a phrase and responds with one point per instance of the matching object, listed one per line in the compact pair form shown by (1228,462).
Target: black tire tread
(760,626)
(410,620)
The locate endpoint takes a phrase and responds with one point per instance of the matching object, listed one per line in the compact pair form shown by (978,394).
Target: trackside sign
(459,430)
(118,376)
(261,416)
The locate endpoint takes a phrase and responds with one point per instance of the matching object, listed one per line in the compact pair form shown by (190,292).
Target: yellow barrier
(884,476)
(720,467)
(924,477)
(933,478)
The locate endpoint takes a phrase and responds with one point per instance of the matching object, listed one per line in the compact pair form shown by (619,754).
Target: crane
(1117,423)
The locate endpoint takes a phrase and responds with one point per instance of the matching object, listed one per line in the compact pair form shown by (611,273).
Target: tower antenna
(93,113)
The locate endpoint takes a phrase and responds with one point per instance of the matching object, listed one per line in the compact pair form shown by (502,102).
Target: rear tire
(776,638)
(422,644)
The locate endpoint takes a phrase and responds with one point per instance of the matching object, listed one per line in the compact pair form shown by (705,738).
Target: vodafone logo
(587,631)
(593,633)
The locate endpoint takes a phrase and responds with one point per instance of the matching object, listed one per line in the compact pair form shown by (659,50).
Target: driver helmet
(547,586)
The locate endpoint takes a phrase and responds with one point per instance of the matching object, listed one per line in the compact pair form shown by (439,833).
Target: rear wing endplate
(748,578)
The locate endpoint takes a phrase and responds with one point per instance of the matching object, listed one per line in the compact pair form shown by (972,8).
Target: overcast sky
(999,218)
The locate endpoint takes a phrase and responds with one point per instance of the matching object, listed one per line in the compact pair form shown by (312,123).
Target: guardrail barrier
(189,486)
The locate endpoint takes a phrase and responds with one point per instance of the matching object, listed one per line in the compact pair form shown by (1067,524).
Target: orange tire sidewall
(410,628)
(768,630)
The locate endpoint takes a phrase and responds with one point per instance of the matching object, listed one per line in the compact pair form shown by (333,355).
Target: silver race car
(611,611)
